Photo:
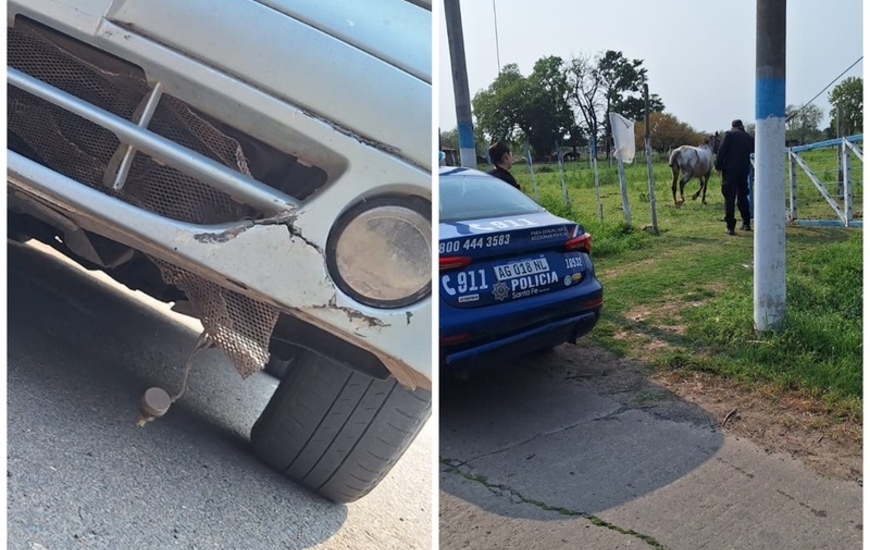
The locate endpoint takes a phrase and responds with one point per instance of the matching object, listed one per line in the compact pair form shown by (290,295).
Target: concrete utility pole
(495,23)
(461,95)
(769,188)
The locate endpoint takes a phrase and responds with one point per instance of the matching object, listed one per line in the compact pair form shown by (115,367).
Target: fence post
(847,182)
(792,192)
(841,134)
(532,171)
(624,188)
(594,155)
(647,148)
(562,174)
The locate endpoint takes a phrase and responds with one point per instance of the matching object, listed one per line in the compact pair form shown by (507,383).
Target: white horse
(693,162)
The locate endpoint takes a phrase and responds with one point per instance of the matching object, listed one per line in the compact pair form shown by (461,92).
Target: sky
(700,56)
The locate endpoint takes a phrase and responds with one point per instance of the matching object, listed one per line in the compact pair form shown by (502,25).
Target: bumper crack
(390,150)
(287,219)
(353,314)
(282,218)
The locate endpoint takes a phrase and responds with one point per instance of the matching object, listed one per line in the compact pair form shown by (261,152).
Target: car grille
(91,155)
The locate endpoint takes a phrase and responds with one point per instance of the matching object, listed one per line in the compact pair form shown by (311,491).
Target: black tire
(335,430)
(278,367)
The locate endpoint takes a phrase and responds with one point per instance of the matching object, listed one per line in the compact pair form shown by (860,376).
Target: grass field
(682,300)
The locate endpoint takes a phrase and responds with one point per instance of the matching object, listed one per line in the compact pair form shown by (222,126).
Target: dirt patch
(654,335)
(648,314)
(648,345)
(775,420)
(779,421)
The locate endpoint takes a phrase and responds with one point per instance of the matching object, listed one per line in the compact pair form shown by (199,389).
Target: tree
(633,107)
(543,107)
(666,132)
(497,109)
(850,95)
(548,117)
(620,77)
(802,123)
(586,91)
(537,107)
(480,142)
(449,139)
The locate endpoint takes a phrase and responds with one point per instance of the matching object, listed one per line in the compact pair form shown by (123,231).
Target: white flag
(623,137)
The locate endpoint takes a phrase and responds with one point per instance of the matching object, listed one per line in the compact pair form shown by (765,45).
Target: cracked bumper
(279,258)
(266,262)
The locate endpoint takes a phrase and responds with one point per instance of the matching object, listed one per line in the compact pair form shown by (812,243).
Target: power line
(794,114)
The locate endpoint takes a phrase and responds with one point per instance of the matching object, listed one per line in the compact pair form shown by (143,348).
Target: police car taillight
(446,263)
(582,243)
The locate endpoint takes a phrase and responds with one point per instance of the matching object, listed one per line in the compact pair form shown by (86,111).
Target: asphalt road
(82,474)
(575,449)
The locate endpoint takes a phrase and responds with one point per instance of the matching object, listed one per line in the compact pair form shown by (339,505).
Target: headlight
(379,252)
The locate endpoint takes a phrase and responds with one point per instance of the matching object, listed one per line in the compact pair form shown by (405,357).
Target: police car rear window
(474,195)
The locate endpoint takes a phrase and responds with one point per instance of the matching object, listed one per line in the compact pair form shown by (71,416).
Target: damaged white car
(264,165)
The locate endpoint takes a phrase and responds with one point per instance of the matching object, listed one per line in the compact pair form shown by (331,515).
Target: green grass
(580,181)
(693,286)
(819,350)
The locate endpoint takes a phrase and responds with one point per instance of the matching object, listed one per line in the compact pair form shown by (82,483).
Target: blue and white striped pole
(461,94)
(769,238)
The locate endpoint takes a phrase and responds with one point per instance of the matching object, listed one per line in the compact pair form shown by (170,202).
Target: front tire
(335,430)
(278,367)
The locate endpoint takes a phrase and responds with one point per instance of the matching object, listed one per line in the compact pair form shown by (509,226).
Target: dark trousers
(735,186)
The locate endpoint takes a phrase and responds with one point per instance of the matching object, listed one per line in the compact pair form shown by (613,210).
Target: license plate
(512,270)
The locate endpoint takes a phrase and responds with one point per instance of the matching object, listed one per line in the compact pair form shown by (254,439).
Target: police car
(513,278)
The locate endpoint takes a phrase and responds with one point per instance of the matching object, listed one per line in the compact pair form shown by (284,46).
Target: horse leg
(675,171)
(683,183)
(702,190)
(704,178)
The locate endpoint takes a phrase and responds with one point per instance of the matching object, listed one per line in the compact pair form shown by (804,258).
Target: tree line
(561,103)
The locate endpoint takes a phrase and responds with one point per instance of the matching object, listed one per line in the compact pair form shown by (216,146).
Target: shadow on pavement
(80,471)
(574,431)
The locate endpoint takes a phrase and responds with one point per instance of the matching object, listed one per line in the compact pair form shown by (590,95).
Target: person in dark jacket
(732,162)
(501,156)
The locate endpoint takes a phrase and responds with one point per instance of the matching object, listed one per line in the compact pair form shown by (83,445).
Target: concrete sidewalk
(745,498)
(739,499)
(532,461)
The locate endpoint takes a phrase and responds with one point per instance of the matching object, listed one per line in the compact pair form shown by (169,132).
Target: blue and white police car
(513,277)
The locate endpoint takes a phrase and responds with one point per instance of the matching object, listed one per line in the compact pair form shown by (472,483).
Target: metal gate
(827,181)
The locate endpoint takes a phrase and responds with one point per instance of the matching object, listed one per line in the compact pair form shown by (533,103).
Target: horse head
(712,142)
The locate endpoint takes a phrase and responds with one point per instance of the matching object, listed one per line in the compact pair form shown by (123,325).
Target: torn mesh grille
(87,153)
(91,154)
(241,326)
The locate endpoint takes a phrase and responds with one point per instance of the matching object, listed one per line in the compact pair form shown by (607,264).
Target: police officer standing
(501,156)
(733,163)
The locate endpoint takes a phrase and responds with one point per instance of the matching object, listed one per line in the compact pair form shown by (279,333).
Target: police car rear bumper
(505,349)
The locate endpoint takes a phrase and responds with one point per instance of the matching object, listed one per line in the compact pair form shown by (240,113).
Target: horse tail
(672,160)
